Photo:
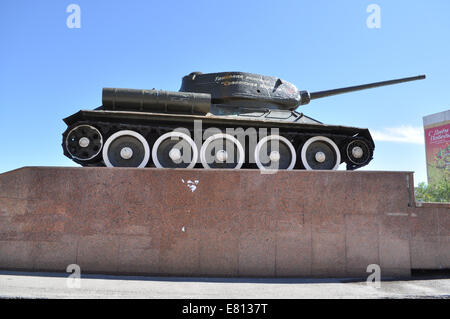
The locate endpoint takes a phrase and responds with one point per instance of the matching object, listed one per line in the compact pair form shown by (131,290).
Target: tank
(228,120)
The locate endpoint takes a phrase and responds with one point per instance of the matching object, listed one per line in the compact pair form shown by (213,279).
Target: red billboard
(437,143)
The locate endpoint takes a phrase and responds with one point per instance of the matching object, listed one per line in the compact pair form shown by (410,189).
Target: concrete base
(218,223)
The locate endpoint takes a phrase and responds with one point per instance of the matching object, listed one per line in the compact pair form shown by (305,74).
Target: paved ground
(54,285)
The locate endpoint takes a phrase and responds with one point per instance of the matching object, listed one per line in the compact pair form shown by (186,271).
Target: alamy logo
(74,280)
(74,19)
(374,279)
(374,19)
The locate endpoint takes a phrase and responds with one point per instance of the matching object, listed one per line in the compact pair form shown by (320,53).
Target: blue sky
(48,71)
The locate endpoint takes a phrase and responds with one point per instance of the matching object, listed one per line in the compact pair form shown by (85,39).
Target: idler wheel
(320,153)
(275,152)
(358,152)
(174,150)
(84,142)
(126,149)
(222,151)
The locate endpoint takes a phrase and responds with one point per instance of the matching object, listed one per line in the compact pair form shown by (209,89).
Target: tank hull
(152,125)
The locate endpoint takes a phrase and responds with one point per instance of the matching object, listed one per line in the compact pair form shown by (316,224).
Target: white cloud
(401,134)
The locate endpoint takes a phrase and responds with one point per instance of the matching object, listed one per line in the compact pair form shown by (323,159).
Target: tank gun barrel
(321,94)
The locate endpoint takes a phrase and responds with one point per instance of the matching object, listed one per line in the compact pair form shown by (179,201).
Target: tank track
(298,136)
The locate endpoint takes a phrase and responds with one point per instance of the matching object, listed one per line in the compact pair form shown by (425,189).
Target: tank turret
(260,91)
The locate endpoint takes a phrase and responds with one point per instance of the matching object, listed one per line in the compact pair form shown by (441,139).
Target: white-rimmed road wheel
(126,149)
(275,152)
(174,150)
(84,142)
(222,151)
(358,152)
(320,153)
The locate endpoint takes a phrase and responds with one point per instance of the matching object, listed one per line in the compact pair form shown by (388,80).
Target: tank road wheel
(275,152)
(320,153)
(174,150)
(84,142)
(358,152)
(222,151)
(126,149)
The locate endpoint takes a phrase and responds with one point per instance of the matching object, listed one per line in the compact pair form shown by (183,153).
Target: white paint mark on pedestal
(192,185)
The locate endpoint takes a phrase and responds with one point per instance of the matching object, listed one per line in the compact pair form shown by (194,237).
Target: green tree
(437,191)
